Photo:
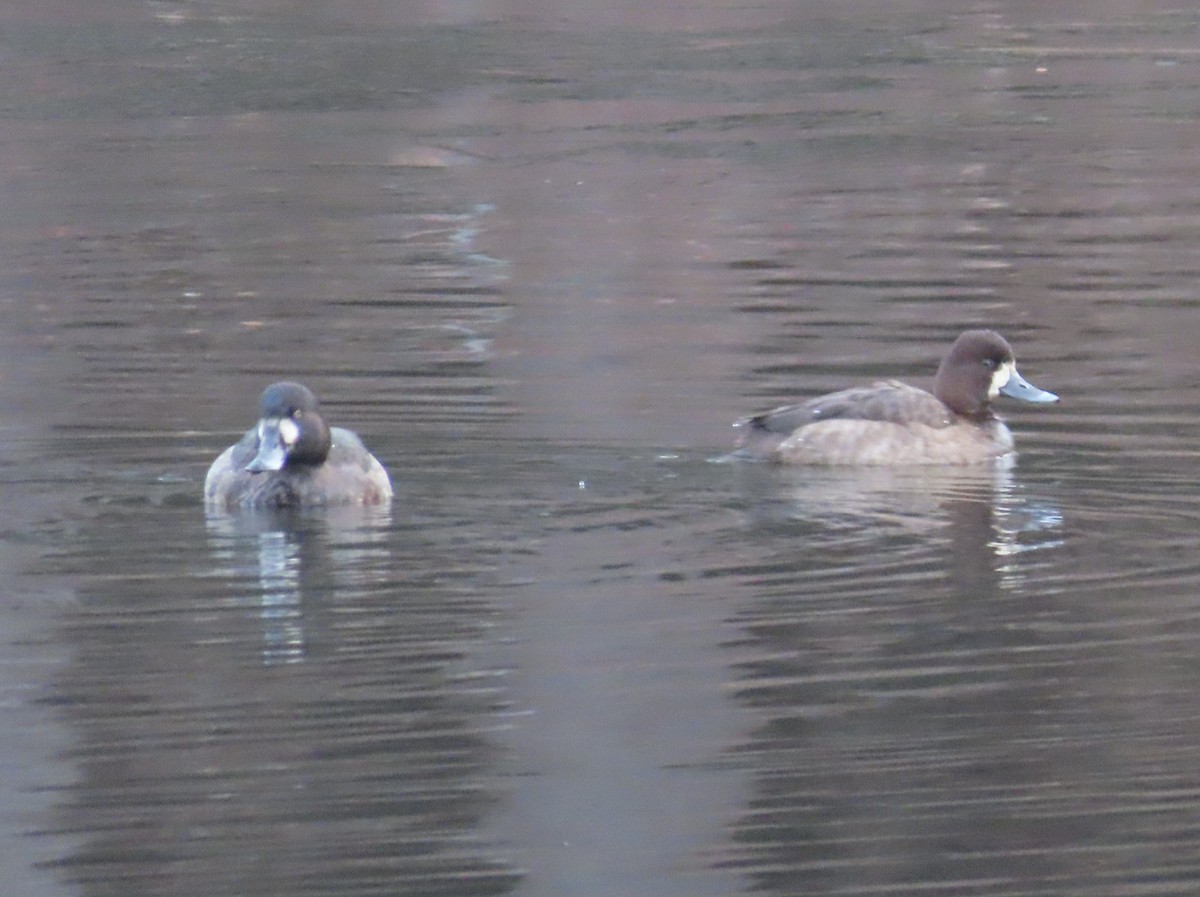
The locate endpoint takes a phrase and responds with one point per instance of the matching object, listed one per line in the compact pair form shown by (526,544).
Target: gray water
(540,256)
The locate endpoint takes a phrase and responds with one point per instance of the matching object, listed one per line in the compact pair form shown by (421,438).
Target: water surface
(540,259)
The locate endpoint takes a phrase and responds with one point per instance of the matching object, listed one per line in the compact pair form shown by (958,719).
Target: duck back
(887,402)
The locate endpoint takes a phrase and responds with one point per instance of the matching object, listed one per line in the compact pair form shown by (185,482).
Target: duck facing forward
(292,458)
(890,423)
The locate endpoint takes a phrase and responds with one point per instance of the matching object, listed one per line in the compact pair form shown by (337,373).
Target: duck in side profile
(890,423)
(292,458)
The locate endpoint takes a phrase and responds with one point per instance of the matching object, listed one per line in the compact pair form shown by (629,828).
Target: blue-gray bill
(272,450)
(1018,387)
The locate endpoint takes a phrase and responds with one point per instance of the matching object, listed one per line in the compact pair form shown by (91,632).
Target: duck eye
(990,364)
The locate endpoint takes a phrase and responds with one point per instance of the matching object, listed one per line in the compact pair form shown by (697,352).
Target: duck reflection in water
(294,565)
(987,518)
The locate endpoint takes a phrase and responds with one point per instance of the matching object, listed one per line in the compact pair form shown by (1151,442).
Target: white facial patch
(1000,378)
(289,431)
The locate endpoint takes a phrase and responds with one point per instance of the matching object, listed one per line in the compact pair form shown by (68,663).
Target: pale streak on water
(540,258)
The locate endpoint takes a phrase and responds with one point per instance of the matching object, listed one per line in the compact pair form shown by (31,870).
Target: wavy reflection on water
(299,559)
(540,262)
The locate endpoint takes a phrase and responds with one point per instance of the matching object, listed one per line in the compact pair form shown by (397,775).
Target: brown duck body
(349,475)
(293,459)
(892,423)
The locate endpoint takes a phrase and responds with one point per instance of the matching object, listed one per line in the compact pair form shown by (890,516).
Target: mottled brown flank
(886,423)
(350,475)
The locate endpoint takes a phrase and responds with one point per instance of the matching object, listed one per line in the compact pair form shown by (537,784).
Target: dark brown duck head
(980,366)
(291,430)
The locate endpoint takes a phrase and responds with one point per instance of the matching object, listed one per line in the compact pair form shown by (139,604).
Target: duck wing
(888,401)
